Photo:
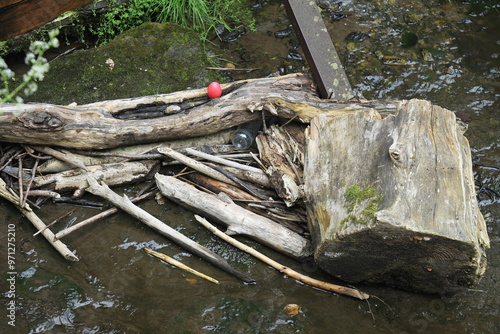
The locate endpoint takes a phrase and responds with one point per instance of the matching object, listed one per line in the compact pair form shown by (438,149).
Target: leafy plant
(39,66)
(201,15)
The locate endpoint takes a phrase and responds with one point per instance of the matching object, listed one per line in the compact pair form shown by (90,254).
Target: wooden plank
(319,50)
(17,17)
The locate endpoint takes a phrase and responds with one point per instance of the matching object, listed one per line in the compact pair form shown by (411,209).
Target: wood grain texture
(96,126)
(415,222)
(20,16)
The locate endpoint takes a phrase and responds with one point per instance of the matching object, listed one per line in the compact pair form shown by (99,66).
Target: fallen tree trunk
(392,200)
(99,126)
(238,220)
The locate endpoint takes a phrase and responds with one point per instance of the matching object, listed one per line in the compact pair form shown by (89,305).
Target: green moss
(355,198)
(151,59)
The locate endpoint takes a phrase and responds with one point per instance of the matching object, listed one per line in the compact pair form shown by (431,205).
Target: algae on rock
(150,59)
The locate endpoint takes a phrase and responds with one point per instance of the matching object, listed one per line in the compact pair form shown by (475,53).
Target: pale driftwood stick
(196,165)
(112,174)
(62,155)
(242,184)
(238,220)
(225,162)
(126,205)
(179,264)
(342,290)
(22,202)
(44,193)
(97,217)
(33,172)
(216,187)
(37,222)
(120,154)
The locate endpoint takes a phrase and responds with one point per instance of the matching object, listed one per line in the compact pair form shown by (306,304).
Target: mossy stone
(150,59)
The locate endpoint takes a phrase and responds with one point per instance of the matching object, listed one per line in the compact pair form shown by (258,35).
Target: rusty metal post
(318,49)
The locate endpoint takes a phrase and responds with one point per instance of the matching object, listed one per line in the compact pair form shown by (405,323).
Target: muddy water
(117,288)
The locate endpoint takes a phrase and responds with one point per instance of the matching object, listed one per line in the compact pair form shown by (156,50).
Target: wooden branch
(37,222)
(238,220)
(281,268)
(62,155)
(305,108)
(179,264)
(196,165)
(257,178)
(126,205)
(122,154)
(93,219)
(112,174)
(224,162)
(218,186)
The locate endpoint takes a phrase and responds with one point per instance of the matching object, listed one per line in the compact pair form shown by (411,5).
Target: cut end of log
(402,258)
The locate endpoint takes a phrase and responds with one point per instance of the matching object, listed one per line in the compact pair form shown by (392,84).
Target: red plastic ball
(214,90)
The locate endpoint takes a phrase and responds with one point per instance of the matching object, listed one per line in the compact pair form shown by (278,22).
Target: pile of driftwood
(337,189)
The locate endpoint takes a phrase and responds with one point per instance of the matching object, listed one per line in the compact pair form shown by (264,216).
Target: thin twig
(222,161)
(178,264)
(54,221)
(20,181)
(287,271)
(95,218)
(33,171)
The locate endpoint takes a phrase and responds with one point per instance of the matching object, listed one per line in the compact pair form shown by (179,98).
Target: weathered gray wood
(393,200)
(37,222)
(319,50)
(281,152)
(94,126)
(238,220)
(112,174)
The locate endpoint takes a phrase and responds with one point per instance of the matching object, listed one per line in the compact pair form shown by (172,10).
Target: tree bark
(393,201)
(96,126)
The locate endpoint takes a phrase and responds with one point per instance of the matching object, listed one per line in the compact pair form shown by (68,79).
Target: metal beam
(318,49)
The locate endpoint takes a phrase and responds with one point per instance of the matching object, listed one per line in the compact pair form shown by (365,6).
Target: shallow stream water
(454,61)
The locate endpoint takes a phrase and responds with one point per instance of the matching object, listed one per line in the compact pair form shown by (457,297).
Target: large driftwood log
(393,200)
(101,125)
(97,126)
(238,220)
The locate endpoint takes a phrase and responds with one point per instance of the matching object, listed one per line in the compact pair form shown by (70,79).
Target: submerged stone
(150,59)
